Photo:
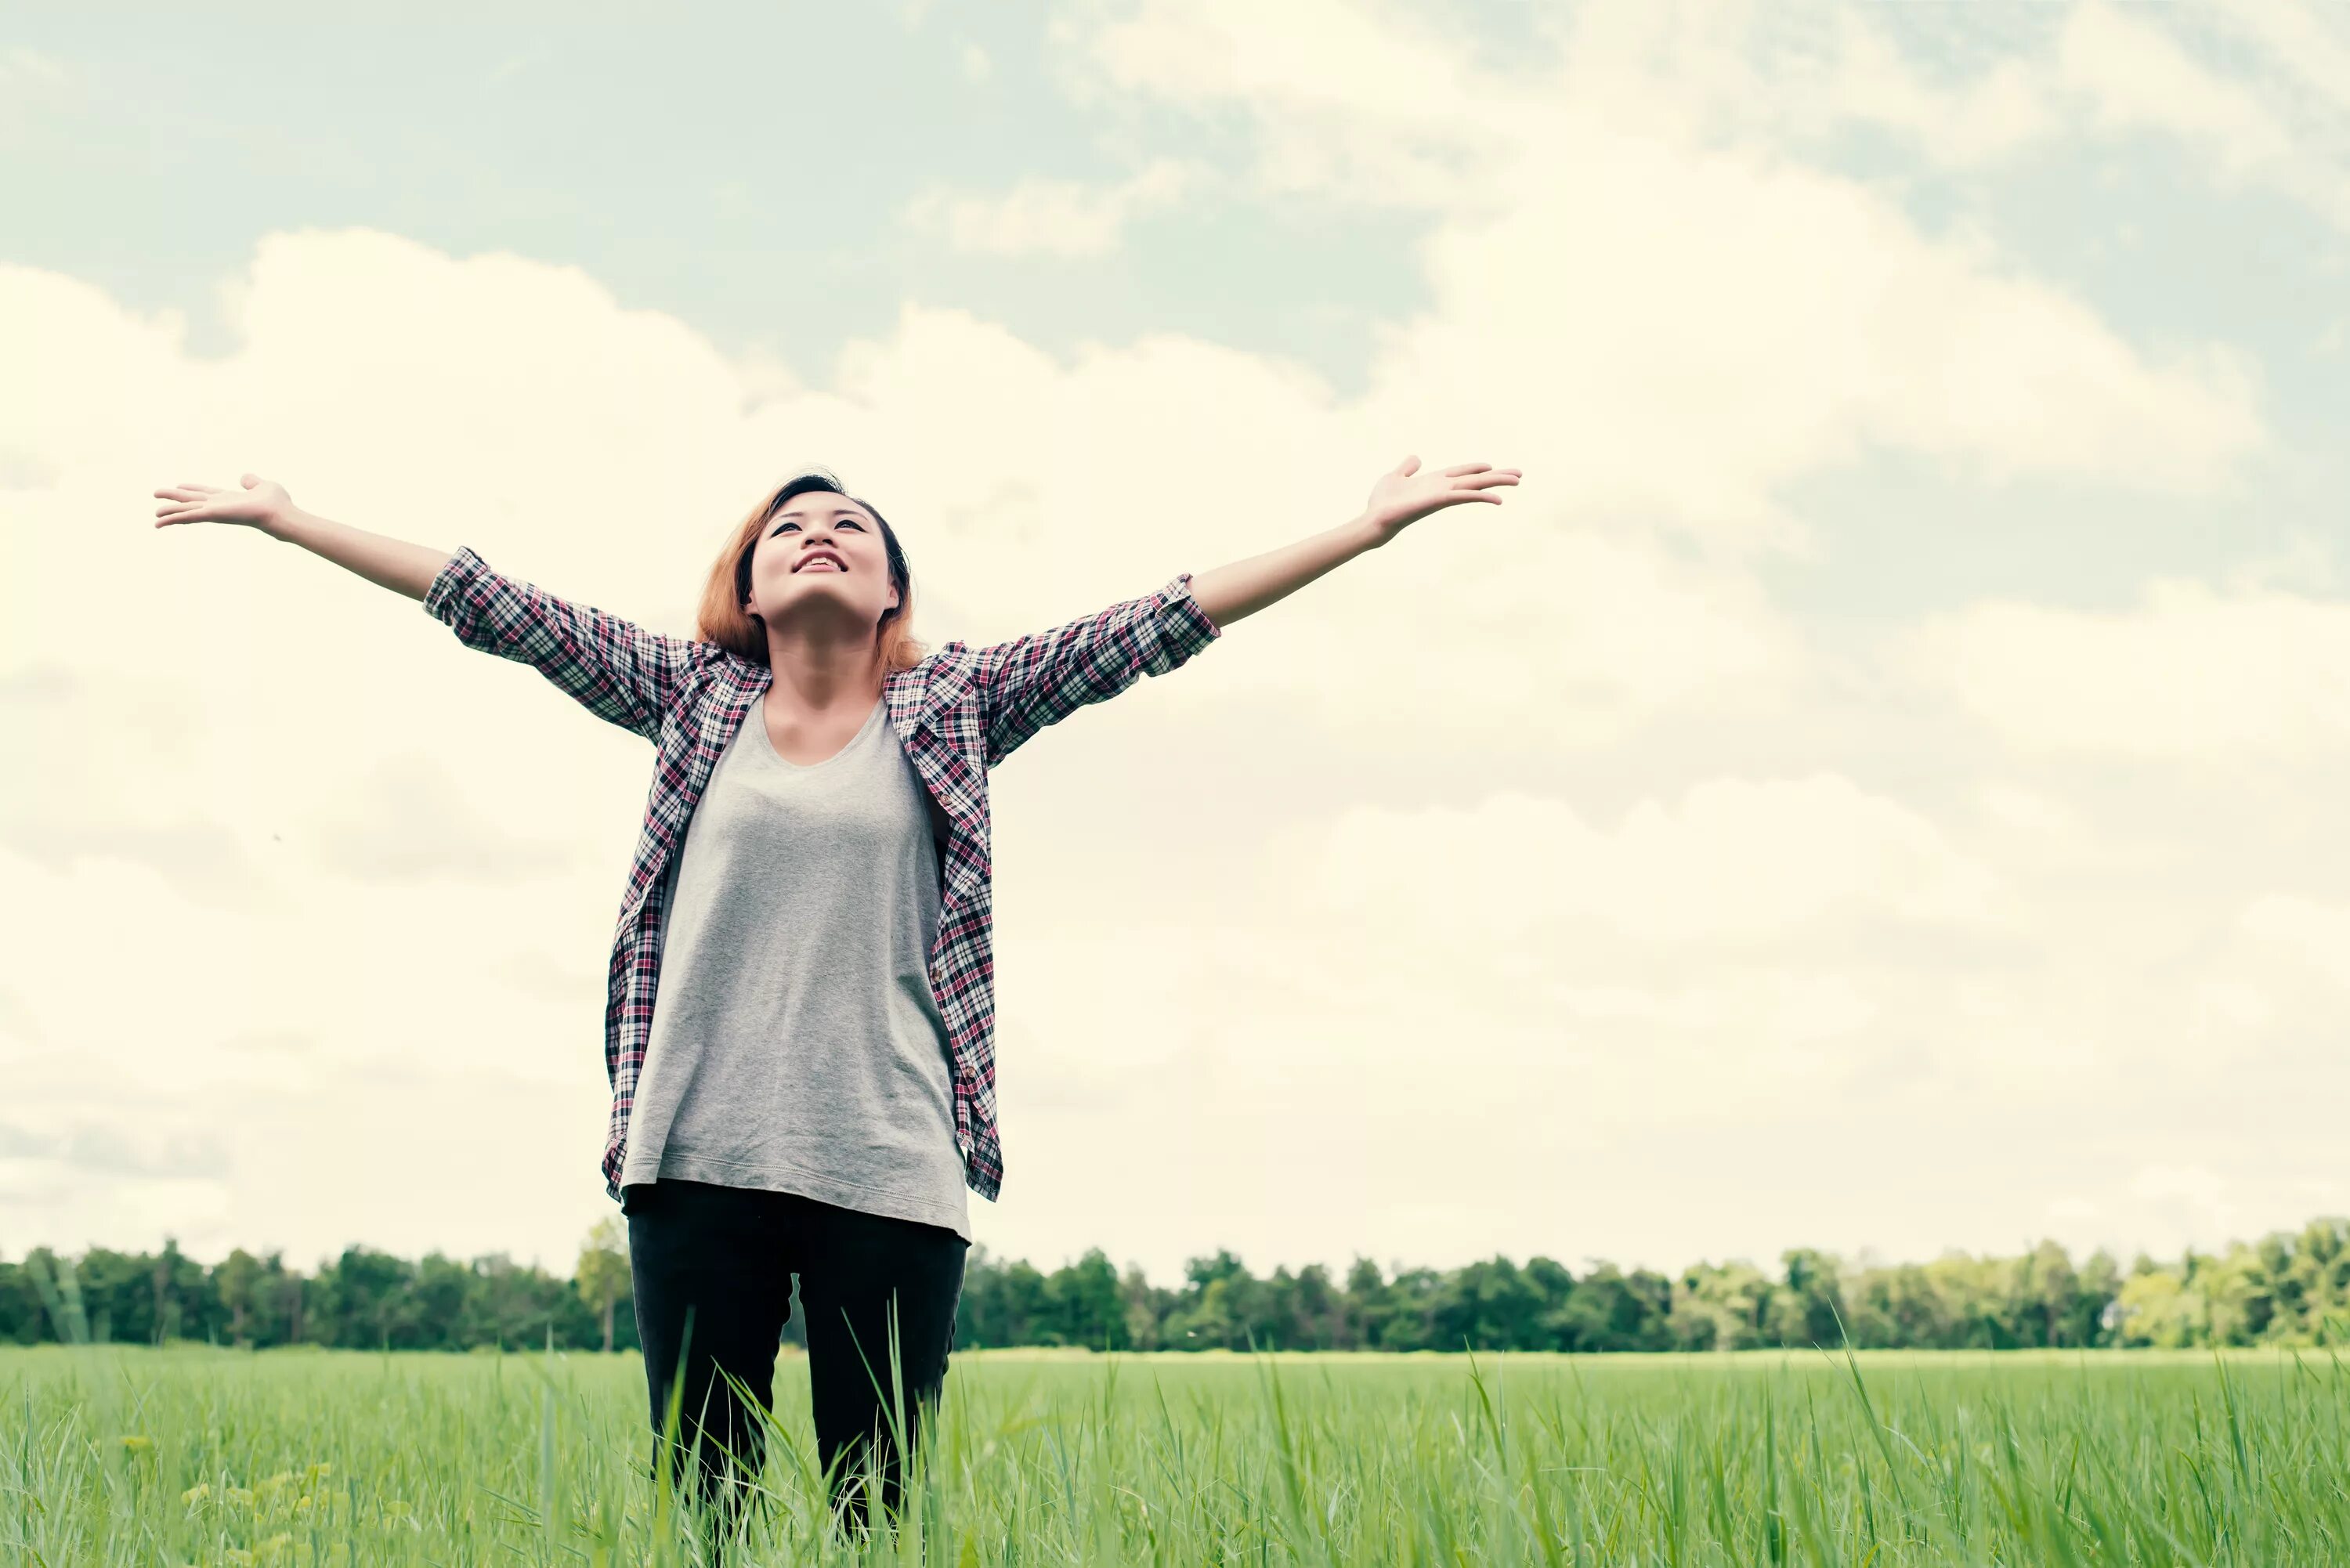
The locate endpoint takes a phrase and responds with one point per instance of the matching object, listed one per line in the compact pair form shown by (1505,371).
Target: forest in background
(2289,1288)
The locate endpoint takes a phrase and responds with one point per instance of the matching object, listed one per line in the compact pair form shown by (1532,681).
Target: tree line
(2289,1288)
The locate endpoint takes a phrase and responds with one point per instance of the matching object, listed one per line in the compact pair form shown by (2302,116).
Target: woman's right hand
(263,504)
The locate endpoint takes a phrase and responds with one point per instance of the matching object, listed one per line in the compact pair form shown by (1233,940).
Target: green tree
(1810,1309)
(1144,1307)
(602,1276)
(1721,1306)
(1320,1318)
(236,1280)
(2043,1306)
(360,1300)
(1411,1311)
(2155,1309)
(1611,1310)
(1218,1306)
(1897,1306)
(1002,1304)
(1488,1307)
(20,1305)
(1366,1308)
(2099,1282)
(1553,1284)
(1082,1304)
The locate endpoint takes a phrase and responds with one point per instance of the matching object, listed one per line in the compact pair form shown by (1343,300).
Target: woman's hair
(725,622)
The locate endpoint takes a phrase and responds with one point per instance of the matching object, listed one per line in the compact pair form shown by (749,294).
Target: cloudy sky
(1877,783)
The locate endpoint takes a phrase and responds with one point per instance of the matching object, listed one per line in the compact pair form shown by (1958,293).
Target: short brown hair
(724,621)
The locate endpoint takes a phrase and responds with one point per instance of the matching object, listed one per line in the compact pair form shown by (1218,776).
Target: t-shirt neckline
(758,717)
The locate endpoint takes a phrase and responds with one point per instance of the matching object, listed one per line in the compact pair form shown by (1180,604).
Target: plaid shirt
(958,713)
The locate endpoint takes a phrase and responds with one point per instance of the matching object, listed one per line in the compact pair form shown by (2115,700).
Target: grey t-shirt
(795,1042)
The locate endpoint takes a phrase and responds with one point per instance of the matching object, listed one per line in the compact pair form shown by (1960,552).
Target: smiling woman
(810,515)
(799,1019)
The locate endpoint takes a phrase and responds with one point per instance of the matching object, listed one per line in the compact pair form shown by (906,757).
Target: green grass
(192,1455)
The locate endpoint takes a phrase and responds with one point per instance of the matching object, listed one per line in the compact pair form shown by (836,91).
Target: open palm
(256,503)
(1403,495)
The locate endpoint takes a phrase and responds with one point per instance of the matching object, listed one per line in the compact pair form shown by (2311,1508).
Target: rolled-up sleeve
(1041,679)
(617,671)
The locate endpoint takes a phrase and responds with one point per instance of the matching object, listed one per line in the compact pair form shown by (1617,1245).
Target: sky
(1873,786)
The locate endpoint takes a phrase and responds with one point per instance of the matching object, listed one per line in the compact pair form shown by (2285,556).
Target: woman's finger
(1457,468)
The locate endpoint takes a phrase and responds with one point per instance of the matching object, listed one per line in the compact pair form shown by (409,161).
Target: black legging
(726,1256)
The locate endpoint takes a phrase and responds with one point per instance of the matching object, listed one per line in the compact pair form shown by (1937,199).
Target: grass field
(191,1455)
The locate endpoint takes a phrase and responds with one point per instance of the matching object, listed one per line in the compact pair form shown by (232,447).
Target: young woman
(799,1019)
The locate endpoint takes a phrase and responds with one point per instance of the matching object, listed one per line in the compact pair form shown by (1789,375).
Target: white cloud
(2316,931)
(1735,860)
(1372,104)
(1350,98)
(1712,325)
(2134,77)
(2027,812)
(2192,671)
(1068,218)
(2223,1007)
(2005,111)
(23,66)
(1500,630)
(2252,90)
(2192,1185)
(2164,1207)
(1692,321)
(2309,44)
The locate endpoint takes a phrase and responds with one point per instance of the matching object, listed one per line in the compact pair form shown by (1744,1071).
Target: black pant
(712,1267)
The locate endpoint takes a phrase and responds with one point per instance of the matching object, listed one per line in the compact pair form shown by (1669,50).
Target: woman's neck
(823,676)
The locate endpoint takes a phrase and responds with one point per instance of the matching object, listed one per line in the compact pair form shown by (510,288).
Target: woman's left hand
(1404,495)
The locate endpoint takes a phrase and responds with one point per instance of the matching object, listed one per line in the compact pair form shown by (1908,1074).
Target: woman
(814,1091)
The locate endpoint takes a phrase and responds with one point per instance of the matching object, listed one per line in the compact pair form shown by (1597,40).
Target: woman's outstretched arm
(263,506)
(617,671)
(1041,679)
(1402,497)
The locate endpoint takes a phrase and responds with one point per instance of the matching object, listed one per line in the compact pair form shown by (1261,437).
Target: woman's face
(821,558)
